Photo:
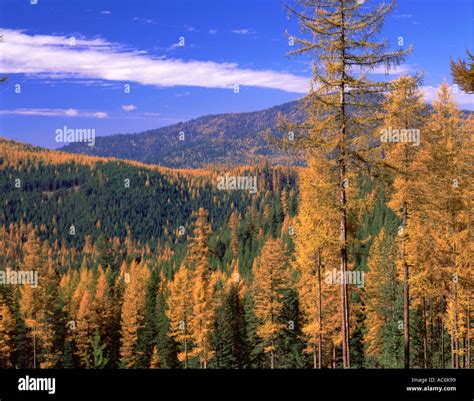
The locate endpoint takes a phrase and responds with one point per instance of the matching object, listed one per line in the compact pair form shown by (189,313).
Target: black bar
(241,385)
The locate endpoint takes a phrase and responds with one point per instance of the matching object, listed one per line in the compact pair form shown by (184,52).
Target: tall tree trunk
(468,331)
(333,356)
(431,336)
(452,352)
(425,336)
(343,270)
(320,314)
(343,201)
(455,329)
(464,353)
(406,296)
(406,286)
(185,354)
(272,354)
(442,334)
(34,347)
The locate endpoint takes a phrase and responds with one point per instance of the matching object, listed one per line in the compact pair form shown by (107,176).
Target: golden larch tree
(133,314)
(342,38)
(202,318)
(402,128)
(7,326)
(180,310)
(272,276)
(315,247)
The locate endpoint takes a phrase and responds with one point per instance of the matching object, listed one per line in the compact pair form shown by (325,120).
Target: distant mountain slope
(231,139)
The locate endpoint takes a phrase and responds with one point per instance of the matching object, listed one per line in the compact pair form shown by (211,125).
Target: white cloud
(72,112)
(144,20)
(100,114)
(129,107)
(55,113)
(106,12)
(17,39)
(397,70)
(212,31)
(242,31)
(52,57)
(464,100)
(175,46)
(402,16)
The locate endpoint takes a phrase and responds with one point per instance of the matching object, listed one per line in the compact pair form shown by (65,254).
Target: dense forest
(361,257)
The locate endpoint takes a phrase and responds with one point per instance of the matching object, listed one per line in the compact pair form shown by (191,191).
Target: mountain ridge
(227,138)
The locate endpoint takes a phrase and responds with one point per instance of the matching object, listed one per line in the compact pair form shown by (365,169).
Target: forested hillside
(230,139)
(70,217)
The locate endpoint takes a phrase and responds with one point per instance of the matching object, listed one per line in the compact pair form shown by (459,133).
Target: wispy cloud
(53,57)
(396,70)
(129,107)
(464,100)
(106,12)
(242,31)
(144,20)
(212,31)
(402,16)
(55,113)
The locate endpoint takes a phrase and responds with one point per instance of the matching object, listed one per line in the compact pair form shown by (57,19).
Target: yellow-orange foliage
(7,325)
(133,314)
(180,311)
(272,276)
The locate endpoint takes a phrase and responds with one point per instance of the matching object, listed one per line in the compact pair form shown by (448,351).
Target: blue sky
(72,60)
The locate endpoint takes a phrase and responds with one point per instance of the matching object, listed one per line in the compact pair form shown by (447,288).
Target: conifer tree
(96,359)
(463,73)
(7,326)
(382,303)
(84,330)
(230,332)
(166,346)
(446,190)
(316,247)
(271,278)
(133,314)
(202,318)
(234,234)
(342,37)
(403,123)
(180,310)
(102,308)
(155,358)
(38,303)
